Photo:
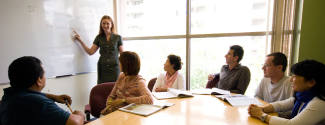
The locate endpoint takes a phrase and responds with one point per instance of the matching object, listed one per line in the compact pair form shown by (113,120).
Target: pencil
(67,103)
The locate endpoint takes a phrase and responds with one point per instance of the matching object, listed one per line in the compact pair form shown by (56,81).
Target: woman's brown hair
(130,63)
(101,31)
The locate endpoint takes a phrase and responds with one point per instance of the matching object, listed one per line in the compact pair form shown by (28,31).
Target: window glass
(153,54)
(143,18)
(208,56)
(152,17)
(229,16)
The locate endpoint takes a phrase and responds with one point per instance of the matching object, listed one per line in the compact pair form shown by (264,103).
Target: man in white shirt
(275,86)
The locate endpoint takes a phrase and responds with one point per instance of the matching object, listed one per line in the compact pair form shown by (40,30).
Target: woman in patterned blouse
(129,87)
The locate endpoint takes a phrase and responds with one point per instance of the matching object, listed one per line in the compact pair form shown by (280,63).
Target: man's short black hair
(279,59)
(238,51)
(176,61)
(312,70)
(25,71)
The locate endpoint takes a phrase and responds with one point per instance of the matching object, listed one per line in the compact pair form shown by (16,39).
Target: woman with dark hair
(172,78)
(308,103)
(129,87)
(110,45)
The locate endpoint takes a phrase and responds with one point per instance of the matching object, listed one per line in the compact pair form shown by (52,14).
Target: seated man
(275,86)
(233,76)
(24,104)
(307,104)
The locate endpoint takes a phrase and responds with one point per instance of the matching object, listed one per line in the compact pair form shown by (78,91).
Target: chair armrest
(213,83)
(87,112)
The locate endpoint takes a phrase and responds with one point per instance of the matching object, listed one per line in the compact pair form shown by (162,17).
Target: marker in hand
(67,103)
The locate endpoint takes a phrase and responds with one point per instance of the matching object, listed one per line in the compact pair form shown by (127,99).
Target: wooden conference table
(197,110)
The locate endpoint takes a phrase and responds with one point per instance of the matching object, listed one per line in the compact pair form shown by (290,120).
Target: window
(228,16)
(152,17)
(155,29)
(153,54)
(208,56)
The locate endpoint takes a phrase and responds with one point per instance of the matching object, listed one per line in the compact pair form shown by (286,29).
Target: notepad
(239,100)
(213,91)
(172,93)
(144,109)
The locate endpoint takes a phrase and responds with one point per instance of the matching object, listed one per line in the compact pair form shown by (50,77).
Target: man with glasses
(275,86)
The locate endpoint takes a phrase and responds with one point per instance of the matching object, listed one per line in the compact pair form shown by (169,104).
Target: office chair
(97,99)
(151,84)
(213,83)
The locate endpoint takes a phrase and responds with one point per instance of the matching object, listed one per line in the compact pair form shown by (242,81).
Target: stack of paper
(213,91)
(172,93)
(239,100)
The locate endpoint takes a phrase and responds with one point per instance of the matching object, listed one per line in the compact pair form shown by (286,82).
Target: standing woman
(110,45)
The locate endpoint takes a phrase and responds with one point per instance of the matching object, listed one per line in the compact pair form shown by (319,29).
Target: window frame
(188,36)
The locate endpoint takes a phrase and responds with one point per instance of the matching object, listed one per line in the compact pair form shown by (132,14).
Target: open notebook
(172,93)
(145,109)
(213,91)
(239,100)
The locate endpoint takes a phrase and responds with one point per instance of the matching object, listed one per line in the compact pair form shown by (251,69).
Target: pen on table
(67,103)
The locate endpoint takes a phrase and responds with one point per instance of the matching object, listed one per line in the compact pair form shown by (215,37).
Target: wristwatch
(263,117)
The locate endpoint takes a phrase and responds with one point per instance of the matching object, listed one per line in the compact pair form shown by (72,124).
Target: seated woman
(129,87)
(172,78)
(308,103)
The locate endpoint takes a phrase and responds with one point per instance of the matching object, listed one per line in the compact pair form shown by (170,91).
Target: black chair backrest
(151,84)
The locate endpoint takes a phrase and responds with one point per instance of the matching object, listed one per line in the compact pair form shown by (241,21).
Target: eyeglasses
(267,65)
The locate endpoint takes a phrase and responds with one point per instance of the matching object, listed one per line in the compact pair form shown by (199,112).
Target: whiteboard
(43,28)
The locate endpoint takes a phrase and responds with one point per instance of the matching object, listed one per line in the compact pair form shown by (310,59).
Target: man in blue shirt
(23,102)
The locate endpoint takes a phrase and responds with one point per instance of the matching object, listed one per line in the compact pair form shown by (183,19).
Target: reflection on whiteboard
(43,28)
